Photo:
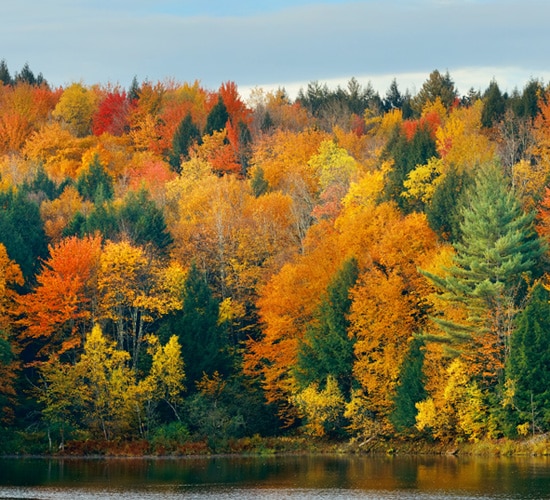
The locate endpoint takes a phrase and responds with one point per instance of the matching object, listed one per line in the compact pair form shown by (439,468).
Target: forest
(185,269)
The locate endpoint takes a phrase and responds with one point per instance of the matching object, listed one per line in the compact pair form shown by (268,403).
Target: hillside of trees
(179,265)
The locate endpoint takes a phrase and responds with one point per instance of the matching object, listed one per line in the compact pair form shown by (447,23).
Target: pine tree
(185,136)
(528,366)
(496,256)
(217,118)
(204,343)
(493,105)
(95,184)
(5,76)
(406,155)
(443,211)
(327,349)
(410,389)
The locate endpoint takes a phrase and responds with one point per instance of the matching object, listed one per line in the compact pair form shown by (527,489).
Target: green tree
(203,341)
(410,388)
(406,155)
(5,76)
(185,136)
(528,367)
(443,210)
(494,105)
(22,231)
(496,256)
(217,118)
(143,222)
(94,183)
(327,349)
(437,85)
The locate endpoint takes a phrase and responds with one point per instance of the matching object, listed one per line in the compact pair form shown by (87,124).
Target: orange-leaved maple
(60,309)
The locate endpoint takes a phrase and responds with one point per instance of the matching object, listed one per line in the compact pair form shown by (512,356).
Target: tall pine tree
(495,258)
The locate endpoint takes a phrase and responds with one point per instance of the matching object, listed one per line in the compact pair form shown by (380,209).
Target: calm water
(316,477)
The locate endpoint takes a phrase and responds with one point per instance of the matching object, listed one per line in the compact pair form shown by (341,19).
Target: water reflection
(277,477)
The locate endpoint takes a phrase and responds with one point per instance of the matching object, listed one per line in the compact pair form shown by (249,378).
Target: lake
(277,477)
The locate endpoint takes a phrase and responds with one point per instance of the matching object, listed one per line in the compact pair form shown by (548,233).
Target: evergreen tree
(437,85)
(528,366)
(185,136)
(204,343)
(497,253)
(406,155)
(133,91)
(393,99)
(22,231)
(143,222)
(443,211)
(494,105)
(327,349)
(5,76)
(95,184)
(410,389)
(26,75)
(217,118)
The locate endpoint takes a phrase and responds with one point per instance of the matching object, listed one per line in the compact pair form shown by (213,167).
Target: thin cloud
(100,42)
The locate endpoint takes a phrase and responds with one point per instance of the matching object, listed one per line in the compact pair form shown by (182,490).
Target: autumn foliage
(185,255)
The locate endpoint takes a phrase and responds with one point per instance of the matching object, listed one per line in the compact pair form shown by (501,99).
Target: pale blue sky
(279,43)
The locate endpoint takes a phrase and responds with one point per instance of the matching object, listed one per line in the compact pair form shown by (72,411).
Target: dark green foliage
(393,99)
(217,118)
(332,107)
(410,389)
(5,76)
(143,222)
(94,183)
(443,211)
(526,105)
(102,219)
(137,219)
(27,76)
(22,231)
(267,122)
(41,187)
(437,85)
(327,349)
(133,91)
(495,258)
(528,366)
(494,105)
(185,136)
(407,155)
(203,342)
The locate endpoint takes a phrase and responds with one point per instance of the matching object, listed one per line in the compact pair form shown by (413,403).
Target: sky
(271,44)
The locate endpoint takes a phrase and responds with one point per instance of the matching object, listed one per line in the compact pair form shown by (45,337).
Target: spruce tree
(327,349)
(204,343)
(217,118)
(185,136)
(5,76)
(528,367)
(410,389)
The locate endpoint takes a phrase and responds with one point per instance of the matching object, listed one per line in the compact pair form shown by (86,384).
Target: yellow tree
(165,381)
(390,304)
(76,108)
(106,386)
(134,289)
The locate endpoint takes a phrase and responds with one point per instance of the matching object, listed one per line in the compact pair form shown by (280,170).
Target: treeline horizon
(178,265)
